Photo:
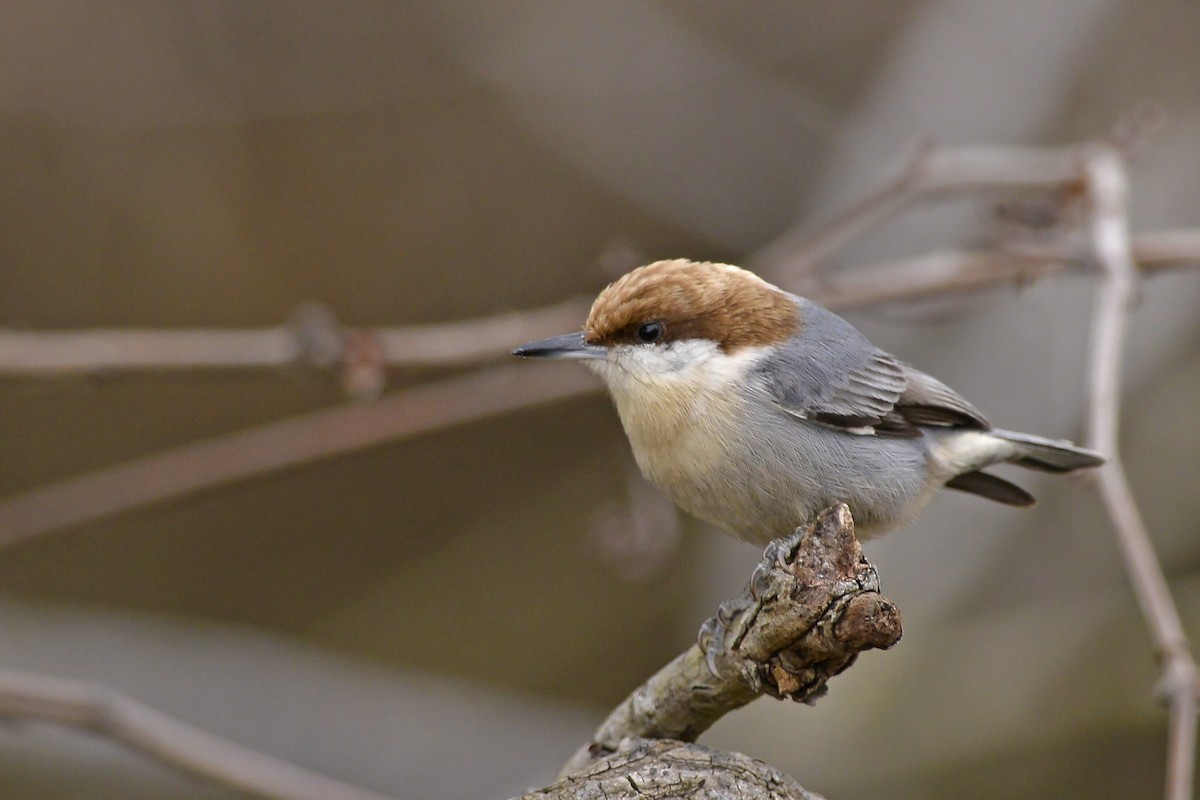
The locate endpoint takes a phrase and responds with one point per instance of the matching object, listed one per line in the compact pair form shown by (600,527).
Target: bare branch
(1165,249)
(1108,190)
(102,711)
(40,354)
(477,341)
(797,253)
(280,445)
(37,353)
(957,272)
(51,353)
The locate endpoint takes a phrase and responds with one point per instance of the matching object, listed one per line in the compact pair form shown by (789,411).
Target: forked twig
(797,254)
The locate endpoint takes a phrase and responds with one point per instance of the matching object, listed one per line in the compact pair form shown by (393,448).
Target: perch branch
(1107,185)
(98,710)
(811,606)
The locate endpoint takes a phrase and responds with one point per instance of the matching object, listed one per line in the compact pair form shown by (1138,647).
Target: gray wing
(928,401)
(831,373)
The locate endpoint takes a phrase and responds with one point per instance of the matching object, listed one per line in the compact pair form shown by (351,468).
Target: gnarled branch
(811,606)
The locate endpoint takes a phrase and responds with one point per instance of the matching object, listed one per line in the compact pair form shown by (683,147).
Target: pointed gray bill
(570,345)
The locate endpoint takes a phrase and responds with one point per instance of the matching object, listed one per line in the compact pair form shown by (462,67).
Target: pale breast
(686,423)
(681,435)
(698,456)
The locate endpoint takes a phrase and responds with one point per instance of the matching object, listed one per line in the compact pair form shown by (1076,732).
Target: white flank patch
(966,451)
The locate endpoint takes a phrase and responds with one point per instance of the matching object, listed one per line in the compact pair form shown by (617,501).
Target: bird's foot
(720,633)
(723,632)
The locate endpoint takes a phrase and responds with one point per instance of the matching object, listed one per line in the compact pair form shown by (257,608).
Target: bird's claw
(780,551)
(712,639)
(725,628)
(720,630)
(760,581)
(726,612)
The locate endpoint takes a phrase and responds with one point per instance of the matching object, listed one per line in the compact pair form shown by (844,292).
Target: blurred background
(450,615)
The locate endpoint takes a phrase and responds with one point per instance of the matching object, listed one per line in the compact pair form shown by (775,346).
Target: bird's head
(672,318)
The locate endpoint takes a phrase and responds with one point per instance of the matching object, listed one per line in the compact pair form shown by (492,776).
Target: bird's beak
(570,345)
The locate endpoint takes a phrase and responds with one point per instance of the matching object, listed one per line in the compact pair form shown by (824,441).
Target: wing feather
(831,373)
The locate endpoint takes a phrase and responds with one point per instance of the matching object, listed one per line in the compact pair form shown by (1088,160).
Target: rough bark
(662,769)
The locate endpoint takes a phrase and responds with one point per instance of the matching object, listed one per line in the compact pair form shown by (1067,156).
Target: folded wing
(830,373)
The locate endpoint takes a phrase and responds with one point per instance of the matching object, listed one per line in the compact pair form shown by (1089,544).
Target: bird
(754,409)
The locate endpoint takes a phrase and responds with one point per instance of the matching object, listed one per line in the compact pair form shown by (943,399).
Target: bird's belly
(760,487)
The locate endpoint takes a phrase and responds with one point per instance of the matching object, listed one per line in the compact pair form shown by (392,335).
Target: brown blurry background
(449,616)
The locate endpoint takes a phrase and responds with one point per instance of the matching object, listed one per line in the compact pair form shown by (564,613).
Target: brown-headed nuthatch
(754,409)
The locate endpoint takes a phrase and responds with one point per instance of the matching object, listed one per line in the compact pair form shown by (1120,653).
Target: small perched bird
(754,409)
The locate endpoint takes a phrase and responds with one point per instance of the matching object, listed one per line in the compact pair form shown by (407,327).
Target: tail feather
(1049,455)
(987,485)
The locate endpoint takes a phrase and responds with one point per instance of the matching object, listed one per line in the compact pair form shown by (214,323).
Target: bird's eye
(650,332)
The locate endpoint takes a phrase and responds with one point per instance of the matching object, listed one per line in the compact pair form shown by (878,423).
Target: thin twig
(1108,190)
(796,254)
(934,275)
(281,445)
(110,351)
(99,710)
(476,341)
(950,272)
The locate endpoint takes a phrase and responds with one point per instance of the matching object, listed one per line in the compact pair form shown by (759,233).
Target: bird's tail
(1048,455)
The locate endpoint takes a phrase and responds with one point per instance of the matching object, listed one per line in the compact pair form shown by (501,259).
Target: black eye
(650,332)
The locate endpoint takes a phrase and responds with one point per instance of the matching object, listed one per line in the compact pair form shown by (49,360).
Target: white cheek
(662,362)
(658,360)
(697,363)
